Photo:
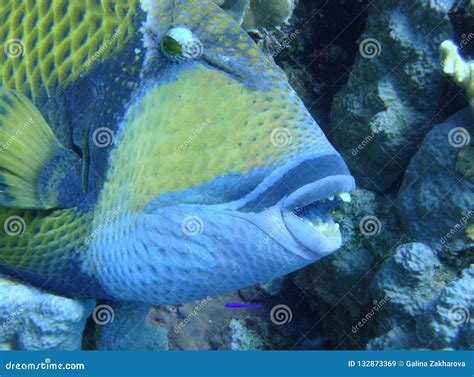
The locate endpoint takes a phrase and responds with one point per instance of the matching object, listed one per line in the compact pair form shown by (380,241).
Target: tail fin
(33,163)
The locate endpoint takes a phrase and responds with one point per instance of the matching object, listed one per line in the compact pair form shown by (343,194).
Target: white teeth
(327,229)
(345,197)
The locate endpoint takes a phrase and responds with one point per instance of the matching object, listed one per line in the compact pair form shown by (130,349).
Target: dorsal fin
(34,165)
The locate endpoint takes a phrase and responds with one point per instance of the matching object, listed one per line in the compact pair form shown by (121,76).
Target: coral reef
(35,320)
(386,107)
(412,267)
(421,310)
(448,322)
(435,200)
(465,162)
(371,232)
(268,14)
(130,327)
(259,14)
(305,50)
(209,324)
(243,338)
(403,278)
(462,18)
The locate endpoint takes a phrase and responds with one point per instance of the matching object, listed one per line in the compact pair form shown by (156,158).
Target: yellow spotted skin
(188,125)
(41,242)
(222,38)
(59,39)
(201,126)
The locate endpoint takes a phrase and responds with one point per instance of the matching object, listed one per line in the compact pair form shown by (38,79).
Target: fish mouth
(293,207)
(305,213)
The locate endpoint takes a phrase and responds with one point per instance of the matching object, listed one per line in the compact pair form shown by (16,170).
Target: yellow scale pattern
(189,131)
(59,39)
(41,242)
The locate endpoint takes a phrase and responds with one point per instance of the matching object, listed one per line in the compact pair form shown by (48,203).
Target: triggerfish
(218,176)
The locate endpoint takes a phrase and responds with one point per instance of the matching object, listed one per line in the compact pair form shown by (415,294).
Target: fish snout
(302,193)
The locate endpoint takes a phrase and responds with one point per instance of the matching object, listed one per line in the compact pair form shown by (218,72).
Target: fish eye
(180,44)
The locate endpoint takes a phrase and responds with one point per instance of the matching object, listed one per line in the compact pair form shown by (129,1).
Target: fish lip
(299,228)
(320,189)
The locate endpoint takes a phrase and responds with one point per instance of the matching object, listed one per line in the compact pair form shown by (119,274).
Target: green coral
(461,71)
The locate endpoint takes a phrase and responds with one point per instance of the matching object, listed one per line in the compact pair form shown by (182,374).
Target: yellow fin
(27,147)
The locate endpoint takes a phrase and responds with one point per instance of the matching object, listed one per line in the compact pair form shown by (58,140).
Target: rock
(387,105)
(436,201)
(338,286)
(129,327)
(396,338)
(32,319)
(449,321)
(421,310)
(462,18)
(406,282)
(363,248)
(261,291)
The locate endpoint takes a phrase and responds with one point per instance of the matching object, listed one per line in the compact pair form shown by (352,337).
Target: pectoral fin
(33,164)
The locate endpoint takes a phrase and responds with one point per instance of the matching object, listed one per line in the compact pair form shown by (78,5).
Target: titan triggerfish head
(218,177)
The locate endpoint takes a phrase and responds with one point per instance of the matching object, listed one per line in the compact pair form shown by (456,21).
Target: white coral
(456,67)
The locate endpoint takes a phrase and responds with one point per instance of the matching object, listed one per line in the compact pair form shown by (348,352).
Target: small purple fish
(241,305)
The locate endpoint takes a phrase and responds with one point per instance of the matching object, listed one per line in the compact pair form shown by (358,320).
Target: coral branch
(456,67)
